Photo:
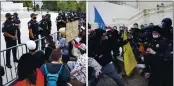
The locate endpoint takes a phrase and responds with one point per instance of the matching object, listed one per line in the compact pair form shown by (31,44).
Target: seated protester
(1,74)
(50,46)
(56,70)
(38,55)
(75,51)
(64,46)
(28,74)
(79,70)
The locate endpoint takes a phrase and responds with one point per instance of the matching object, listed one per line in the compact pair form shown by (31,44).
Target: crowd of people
(151,45)
(58,63)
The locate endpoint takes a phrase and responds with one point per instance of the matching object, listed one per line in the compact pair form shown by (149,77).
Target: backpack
(52,78)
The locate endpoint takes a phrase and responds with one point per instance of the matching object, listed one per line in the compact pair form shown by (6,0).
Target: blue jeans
(110,70)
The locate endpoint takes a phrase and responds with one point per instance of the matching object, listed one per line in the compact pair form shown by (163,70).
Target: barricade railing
(11,73)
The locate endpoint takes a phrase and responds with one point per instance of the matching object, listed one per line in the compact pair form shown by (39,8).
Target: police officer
(43,27)
(157,61)
(10,35)
(48,18)
(17,26)
(60,22)
(33,27)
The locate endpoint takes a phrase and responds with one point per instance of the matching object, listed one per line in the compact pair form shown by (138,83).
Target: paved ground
(135,80)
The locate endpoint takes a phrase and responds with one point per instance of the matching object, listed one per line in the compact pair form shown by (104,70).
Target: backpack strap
(60,70)
(46,70)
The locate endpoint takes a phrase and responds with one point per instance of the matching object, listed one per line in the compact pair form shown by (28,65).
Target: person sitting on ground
(56,66)
(38,55)
(79,70)
(28,74)
(1,74)
(50,46)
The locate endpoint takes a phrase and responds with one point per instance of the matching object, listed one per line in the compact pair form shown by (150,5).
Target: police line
(11,74)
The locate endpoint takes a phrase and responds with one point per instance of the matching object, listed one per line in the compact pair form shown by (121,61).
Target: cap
(31,45)
(109,27)
(157,29)
(33,14)
(168,21)
(8,15)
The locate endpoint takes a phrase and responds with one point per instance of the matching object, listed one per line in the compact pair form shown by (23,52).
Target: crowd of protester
(151,45)
(58,63)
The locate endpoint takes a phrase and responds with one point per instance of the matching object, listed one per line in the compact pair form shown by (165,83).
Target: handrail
(141,13)
(122,3)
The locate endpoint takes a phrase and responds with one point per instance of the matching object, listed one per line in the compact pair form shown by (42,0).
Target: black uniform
(9,27)
(49,25)
(35,30)
(17,21)
(61,23)
(44,31)
(155,64)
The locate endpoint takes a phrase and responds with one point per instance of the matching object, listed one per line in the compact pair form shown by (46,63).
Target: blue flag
(99,20)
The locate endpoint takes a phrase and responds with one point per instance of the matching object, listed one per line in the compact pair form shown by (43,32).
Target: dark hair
(27,68)
(56,54)
(49,39)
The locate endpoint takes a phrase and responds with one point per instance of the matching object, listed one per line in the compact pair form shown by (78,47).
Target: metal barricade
(11,74)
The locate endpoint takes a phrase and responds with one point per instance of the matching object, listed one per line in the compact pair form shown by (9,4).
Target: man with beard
(101,51)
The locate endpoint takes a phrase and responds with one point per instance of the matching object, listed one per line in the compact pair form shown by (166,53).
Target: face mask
(155,36)
(9,18)
(35,18)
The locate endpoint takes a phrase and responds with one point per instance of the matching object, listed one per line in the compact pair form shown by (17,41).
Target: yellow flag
(129,58)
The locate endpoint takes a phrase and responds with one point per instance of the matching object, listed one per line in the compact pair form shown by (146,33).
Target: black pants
(58,27)
(49,30)
(42,42)
(10,43)
(37,42)
(19,36)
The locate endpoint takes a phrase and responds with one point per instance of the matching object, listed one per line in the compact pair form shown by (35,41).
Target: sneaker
(8,65)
